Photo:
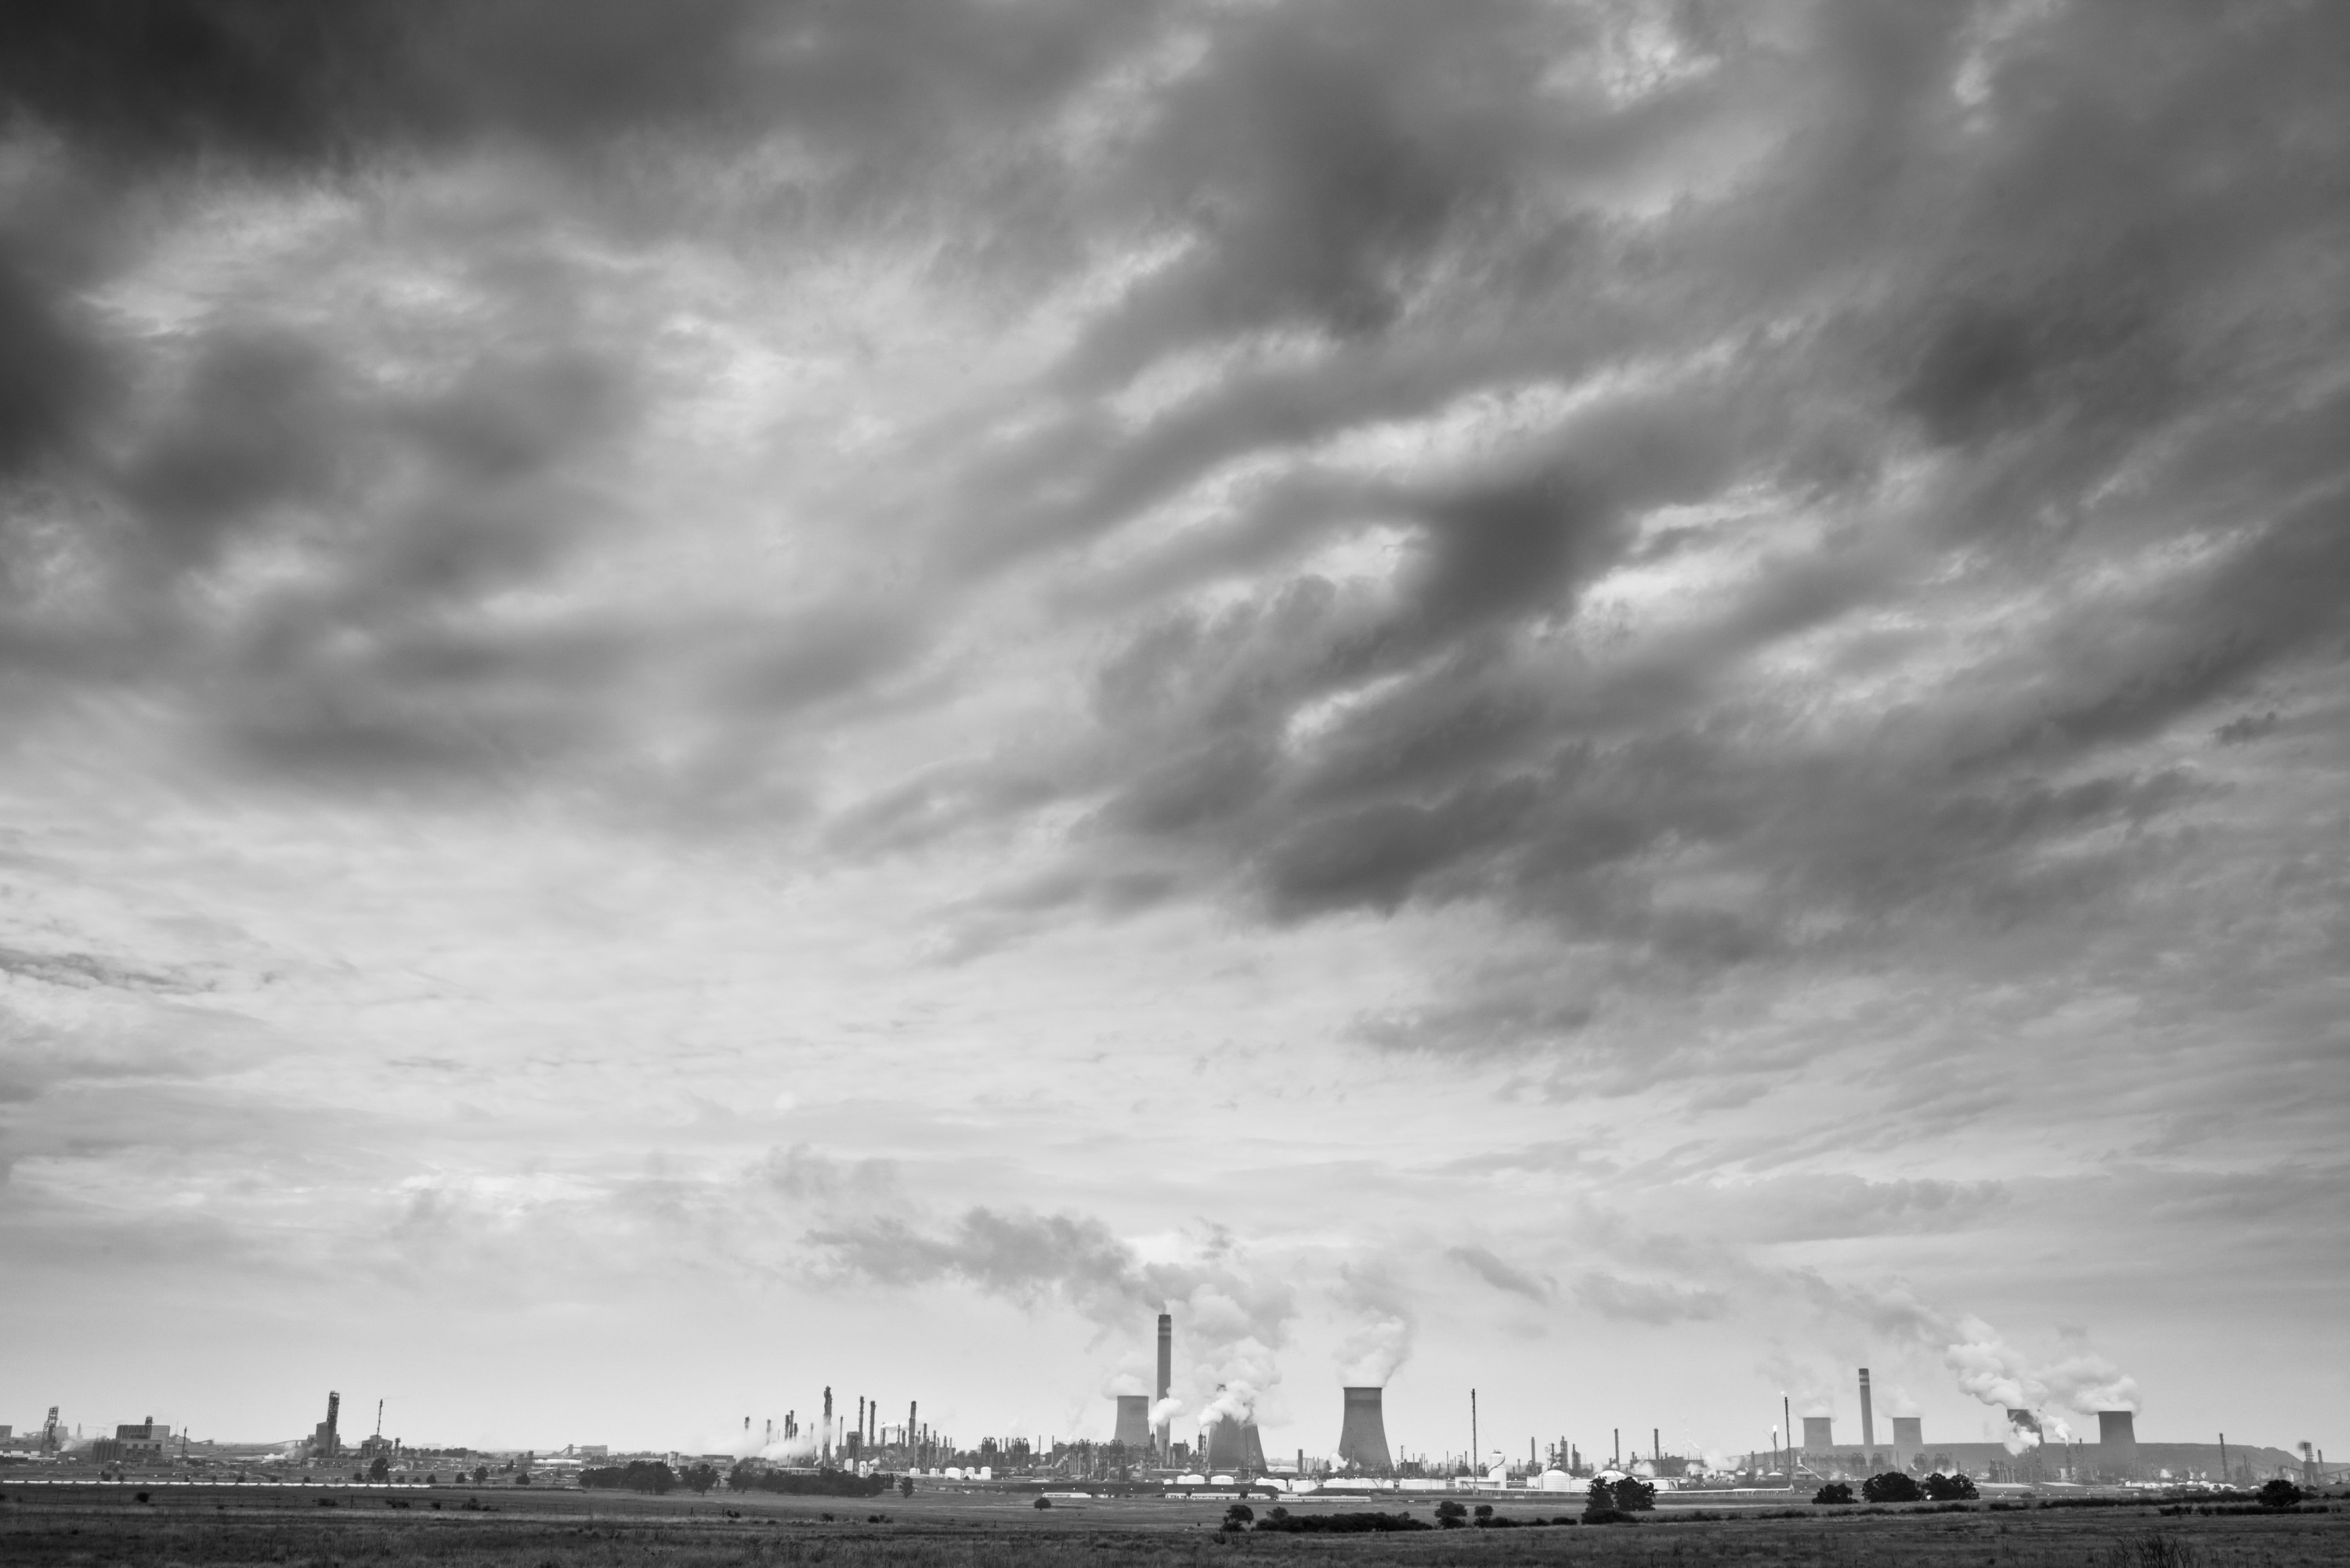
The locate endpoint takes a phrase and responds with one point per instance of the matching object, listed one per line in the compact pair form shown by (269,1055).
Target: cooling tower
(1363,1435)
(1818,1437)
(1909,1435)
(1227,1445)
(1166,1371)
(1868,1418)
(2118,1444)
(1134,1420)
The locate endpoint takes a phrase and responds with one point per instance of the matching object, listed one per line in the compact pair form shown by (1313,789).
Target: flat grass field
(200,1527)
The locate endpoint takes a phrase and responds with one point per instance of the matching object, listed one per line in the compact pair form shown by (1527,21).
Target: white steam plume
(1375,1351)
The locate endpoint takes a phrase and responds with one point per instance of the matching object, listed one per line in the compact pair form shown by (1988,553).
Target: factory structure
(2034,1451)
(1224,1449)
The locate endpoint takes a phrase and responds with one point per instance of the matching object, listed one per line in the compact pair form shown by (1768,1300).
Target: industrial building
(326,1441)
(1363,1432)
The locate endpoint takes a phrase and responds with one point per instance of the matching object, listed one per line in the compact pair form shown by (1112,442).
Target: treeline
(827,1483)
(650,1474)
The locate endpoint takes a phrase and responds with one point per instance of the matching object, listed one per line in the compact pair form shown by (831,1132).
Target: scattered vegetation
(749,1475)
(1280,1521)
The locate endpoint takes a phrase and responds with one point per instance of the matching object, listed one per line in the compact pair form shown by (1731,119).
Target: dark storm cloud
(1968,379)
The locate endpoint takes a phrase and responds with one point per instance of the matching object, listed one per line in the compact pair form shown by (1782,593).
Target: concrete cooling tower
(2118,1444)
(1235,1445)
(1909,1435)
(1362,1434)
(1133,1420)
(1819,1434)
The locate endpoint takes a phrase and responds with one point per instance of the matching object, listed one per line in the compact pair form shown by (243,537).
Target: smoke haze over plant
(1624,702)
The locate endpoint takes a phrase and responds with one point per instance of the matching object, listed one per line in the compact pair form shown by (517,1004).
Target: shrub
(1834,1493)
(1629,1495)
(1959,1488)
(1892,1487)
(1338,1523)
(1043,1502)
(637,1475)
(2278,1493)
(1450,1514)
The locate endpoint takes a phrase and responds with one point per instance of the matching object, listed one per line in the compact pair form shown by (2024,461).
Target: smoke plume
(1989,1369)
(1382,1340)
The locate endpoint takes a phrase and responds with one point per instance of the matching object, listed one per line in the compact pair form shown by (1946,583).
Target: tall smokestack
(826,1436)
(2118,1444)
(1133,1420)
(1819,1434)
(1867,1416)
(1362,1434)
(1166,1372)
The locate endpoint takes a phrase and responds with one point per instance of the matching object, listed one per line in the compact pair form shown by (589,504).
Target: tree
(380,1469)
(905,1485)
(698,1477)
(1892,1487)
(1240,1516)
(1959,1488)
(2280,1493)
(1633,1495)
(1449,1514)
(1834,1493)
(481,1475)
(1043,1502)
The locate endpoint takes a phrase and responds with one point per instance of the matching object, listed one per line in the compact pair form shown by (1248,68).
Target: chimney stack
(1363,1433)
(1867,1416)
(1166,1376)
(2118,1444)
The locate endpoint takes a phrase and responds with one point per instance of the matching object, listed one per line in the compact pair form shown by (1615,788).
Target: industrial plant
(834,1452)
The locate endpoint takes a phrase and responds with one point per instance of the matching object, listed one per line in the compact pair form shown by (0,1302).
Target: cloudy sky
(1624,703)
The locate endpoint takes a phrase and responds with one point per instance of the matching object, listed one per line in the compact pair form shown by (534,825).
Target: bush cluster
(1281,1522)
(826,1482)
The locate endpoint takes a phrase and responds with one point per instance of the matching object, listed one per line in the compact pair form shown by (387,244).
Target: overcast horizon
(1624,703)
